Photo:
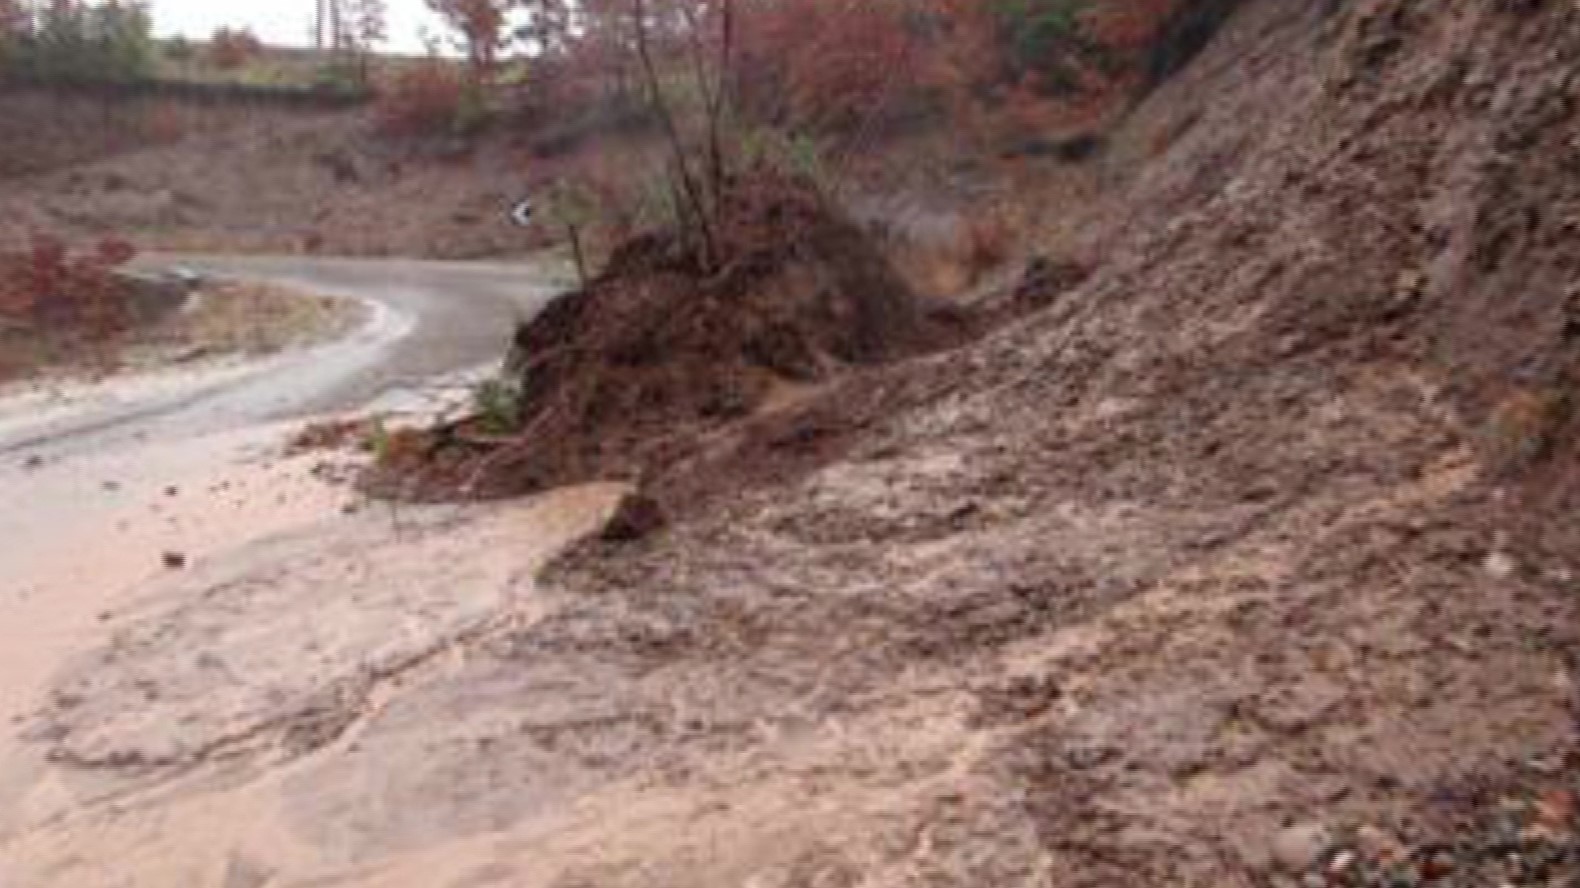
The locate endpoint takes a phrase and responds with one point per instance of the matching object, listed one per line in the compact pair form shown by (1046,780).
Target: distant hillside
(177,174)
(46,130)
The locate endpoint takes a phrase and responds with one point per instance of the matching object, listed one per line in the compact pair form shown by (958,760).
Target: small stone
(1411,281)
(175,560)
(172,490)
(1438,866)
(1500,565)
(1341,862)
(1087,757)
(1297,848)
(1555,809)
(636,517)
(1380,845)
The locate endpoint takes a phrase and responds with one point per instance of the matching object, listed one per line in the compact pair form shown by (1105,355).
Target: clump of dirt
(353,433)
(660,349)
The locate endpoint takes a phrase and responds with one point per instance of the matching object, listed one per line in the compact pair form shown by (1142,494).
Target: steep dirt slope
(266,179)
(1256,537)
(1234,546)
(42,130)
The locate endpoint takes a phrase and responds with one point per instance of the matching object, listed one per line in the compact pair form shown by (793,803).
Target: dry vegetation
(430,169)
(86,319)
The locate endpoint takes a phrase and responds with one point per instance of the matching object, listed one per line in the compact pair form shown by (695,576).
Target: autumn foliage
(424,99)
(829,64)
(50,289)
(480,32)
(230,49)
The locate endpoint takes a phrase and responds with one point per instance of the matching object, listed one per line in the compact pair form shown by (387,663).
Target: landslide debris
(1249,561)
(623,376)
(1266,526)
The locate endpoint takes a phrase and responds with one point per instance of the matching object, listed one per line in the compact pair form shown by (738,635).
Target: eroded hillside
(1257,538)
(1247,560)
(172,174)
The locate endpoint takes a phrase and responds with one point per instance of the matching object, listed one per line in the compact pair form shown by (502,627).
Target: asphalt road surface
(428,319)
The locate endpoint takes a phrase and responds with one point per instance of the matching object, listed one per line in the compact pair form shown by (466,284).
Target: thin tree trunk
(712,88)
(574,233)
(719,101)
(688,182)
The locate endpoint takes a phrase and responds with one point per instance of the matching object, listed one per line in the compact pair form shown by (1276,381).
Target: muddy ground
(1254,548)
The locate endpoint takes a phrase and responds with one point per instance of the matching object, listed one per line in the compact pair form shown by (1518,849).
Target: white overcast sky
(280,22)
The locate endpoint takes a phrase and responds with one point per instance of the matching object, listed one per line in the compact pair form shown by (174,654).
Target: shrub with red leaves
(829,64)
(49,289)
(425,99)
(233,48)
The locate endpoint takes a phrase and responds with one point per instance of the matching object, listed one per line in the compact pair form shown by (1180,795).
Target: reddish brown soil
(636,369)
(1264,531)
(1252,550)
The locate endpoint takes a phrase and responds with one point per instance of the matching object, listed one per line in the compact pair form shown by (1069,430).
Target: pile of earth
(1257,545)
(1248,562)
(662,348)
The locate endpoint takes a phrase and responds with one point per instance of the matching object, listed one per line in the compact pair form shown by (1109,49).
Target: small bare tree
(369,28)
(698,193)
(480,33)
(571,208)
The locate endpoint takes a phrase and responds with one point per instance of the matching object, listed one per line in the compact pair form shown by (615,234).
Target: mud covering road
(161,510)
(1209,574)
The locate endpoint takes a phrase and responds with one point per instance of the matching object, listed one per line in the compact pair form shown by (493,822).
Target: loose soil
(657,352)
(255,180)
(1247,561)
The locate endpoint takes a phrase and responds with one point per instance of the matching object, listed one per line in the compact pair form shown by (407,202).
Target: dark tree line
(76,41)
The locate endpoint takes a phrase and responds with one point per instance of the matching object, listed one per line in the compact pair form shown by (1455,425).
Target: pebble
(1500,565)
(1297,848)
(1379,844)
(1342,862)
(1438,866)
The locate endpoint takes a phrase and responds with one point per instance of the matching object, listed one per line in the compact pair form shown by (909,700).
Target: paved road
(430,319)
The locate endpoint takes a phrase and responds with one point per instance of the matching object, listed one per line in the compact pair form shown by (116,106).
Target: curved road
(97,486)
(429,319)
